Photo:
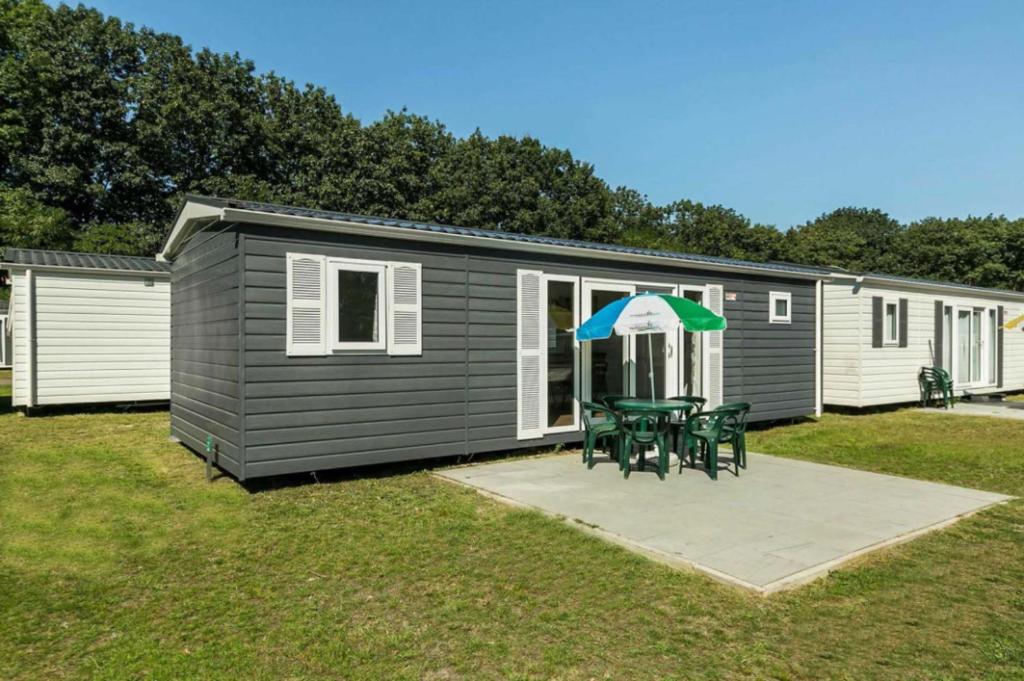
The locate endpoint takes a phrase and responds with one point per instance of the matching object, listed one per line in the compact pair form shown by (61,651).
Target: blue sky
(781,110)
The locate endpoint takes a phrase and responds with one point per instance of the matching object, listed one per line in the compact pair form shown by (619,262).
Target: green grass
(117,560)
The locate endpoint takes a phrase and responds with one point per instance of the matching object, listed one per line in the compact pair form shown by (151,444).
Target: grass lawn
(117,560)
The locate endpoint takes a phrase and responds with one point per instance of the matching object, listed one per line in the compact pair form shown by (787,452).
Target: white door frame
(704,355)
(984,380)
(576,354)
(588,286)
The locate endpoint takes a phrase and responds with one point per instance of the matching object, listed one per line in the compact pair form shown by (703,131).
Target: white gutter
(70,268)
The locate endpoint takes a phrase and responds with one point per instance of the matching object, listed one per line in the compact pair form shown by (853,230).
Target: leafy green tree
(715,230)
(983,251)
(859,239)
(118,239)
(26,222)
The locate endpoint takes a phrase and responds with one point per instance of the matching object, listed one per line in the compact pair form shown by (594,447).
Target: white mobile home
(880,330)
(88,328)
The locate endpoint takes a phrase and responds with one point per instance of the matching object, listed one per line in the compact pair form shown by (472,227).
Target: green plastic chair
(935,383)
(645,428)
(738,428)
(677,425)
(611,400)
(708,429)
(602,431)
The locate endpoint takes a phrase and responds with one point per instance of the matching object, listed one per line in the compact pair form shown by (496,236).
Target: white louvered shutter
(306,296)
(405,309)
(529,346)
(715,365)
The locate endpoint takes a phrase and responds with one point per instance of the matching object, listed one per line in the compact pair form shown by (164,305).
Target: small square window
(780,304)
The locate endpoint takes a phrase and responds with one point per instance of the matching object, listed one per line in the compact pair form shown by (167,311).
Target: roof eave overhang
(931,286)
(192,217)
(188,220)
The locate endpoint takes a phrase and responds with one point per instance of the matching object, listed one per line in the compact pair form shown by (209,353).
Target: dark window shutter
(939,340)
(877,319)
(999,347)
(904,325)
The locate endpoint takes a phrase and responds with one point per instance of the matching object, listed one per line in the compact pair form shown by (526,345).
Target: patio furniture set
(621,423)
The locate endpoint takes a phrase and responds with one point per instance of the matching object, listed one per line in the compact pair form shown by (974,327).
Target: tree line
(105,126)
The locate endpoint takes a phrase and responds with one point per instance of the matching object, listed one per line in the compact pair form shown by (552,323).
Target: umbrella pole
(650,357)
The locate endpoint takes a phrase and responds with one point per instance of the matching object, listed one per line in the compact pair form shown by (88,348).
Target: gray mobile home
(304,340)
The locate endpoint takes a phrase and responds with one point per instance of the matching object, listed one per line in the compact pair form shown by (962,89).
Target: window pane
(976,345)
(947,339)
(781,307)
(607,356)
(963,346)
(561,356)
(993,341)
(891,328)
(357,307)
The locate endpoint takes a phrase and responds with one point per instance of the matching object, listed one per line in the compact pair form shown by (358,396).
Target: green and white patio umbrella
(646,314)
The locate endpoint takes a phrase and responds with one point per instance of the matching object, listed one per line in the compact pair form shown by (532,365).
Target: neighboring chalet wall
(888,375)
(304,413)
(205,340)
(842,342)
(98,338)
(19,340)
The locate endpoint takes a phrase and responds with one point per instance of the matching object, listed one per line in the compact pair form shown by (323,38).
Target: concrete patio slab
(1002,410)
(780,524)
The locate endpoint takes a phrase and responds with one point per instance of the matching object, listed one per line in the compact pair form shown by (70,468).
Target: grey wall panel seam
(465,388)
(242,427)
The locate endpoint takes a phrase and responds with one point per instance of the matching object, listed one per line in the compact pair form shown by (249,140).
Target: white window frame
(774,318)
(380,268)
(888,341)
(577,366)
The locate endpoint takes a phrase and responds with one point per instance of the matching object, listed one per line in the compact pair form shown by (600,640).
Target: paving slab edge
(786,583)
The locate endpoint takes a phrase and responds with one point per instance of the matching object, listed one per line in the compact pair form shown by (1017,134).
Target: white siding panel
(857,374)
(102,338)
(841,344)
(19,342)
(1013,349)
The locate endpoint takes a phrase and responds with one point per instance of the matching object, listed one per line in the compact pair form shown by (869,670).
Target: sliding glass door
(606,369)
(658,357)
(975,337)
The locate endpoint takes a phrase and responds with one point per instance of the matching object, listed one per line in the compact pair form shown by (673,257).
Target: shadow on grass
(384,470)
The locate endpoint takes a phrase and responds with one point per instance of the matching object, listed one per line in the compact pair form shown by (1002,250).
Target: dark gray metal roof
(94,261)
(498,235)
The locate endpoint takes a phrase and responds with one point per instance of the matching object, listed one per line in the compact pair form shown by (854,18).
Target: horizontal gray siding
(205,366)
(307,413)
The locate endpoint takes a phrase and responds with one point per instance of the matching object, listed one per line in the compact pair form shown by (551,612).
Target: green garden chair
(645,428)
(677,424)
(609,431)
(738,428)
(708,429)
(935,383)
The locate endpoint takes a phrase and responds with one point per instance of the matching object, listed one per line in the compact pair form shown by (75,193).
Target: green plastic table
(666,406)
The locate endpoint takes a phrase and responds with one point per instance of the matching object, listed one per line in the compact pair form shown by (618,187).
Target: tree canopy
(104,126)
